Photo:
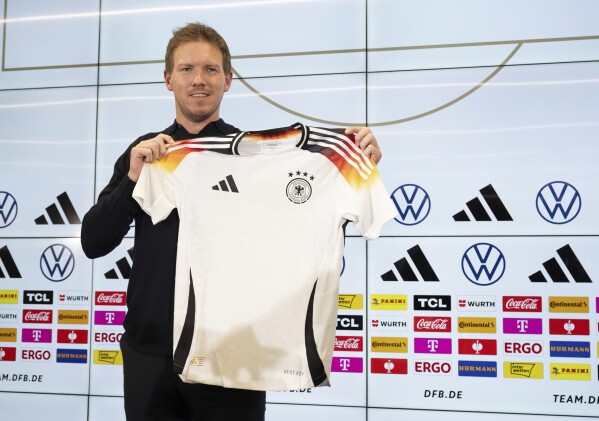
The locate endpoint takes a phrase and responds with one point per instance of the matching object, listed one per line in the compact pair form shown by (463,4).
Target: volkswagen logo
(8,209)
(558,202)
(412,202)
(483,264)
(57,263)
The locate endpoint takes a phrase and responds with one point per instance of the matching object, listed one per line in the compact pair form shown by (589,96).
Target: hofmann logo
(388,302)
(483,264)
(9,297)
(351,302)
(8,209)
(558,202)
(57,262)
(412,202)
(569,304)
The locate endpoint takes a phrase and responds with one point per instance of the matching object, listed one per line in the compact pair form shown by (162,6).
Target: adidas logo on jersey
(228,184)
(55,217)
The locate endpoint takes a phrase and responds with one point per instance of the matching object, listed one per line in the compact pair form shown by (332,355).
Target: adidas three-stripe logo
(123,266)
(555,272)
(478,211)
(406,272)
(228,184)
(55,217)
(8,264)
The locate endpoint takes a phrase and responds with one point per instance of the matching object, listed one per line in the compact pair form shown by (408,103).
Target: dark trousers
(154,392)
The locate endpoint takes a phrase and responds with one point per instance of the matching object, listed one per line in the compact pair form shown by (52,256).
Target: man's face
(198,82)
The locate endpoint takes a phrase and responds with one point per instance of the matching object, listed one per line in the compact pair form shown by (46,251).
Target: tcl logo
(432,302)
(36,355)
(38,297)
(432,367)
(349,322)
(107,337)
(37,316)
(111,298)
(522,348)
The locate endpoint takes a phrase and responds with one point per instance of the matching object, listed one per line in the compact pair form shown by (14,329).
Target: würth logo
(412,202)
(55,216)
(555,272)
(558,202)
(478,211)
(405,271)
(57,263)
(123,266)
(8,209)
(228,184)
(8,267)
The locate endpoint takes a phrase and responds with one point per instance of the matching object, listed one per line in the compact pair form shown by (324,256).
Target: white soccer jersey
(259,251)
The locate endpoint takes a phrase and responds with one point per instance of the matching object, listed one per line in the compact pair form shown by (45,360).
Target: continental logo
(522,370)
(108,357)
(388,302)
(351,302)
(73,317)
(388,344)
(569,371)
(8,334)
(568,304)
(477,325)
(9,297)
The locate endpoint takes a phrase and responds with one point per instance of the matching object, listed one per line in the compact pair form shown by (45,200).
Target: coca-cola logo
(349,343)
(522,304)
(437,324)
(37,316)
(111,298)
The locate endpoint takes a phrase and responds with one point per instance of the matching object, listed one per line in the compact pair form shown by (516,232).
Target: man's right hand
(147,151)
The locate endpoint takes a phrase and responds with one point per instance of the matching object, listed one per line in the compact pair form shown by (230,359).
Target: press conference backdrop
(479,301)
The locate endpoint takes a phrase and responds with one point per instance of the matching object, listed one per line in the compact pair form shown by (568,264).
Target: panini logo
(8,267)
(76,356)
(8,209)
(478,211)
(569,327)
(108,357)
(522,348)
(555,271)
(388,302)
(389,323)
(523,304)
(38,297)
(388,344)
(558,202)
(570,349)
(477,325)
(405,271)
(8,334)
(477,346)
(433,367)
(73,297)
(477,368)
(73,317)
(389,366)
(351,302)
(9,297)
(65,204)
(123,266)
(432,324)
(483,264)
(570,371)
(522,326)
(412,202)
(568,304)
(522,370)
(8,316)
(478,303)
(72,336)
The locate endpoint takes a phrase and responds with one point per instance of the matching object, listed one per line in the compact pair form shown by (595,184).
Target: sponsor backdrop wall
(480,300)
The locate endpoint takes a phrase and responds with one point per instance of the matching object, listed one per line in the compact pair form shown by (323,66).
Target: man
(198,72)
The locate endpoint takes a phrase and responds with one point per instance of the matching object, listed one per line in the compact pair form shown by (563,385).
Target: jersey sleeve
(368,205)
(158,187)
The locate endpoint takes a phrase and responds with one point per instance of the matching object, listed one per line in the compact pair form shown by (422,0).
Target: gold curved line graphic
(382,123)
